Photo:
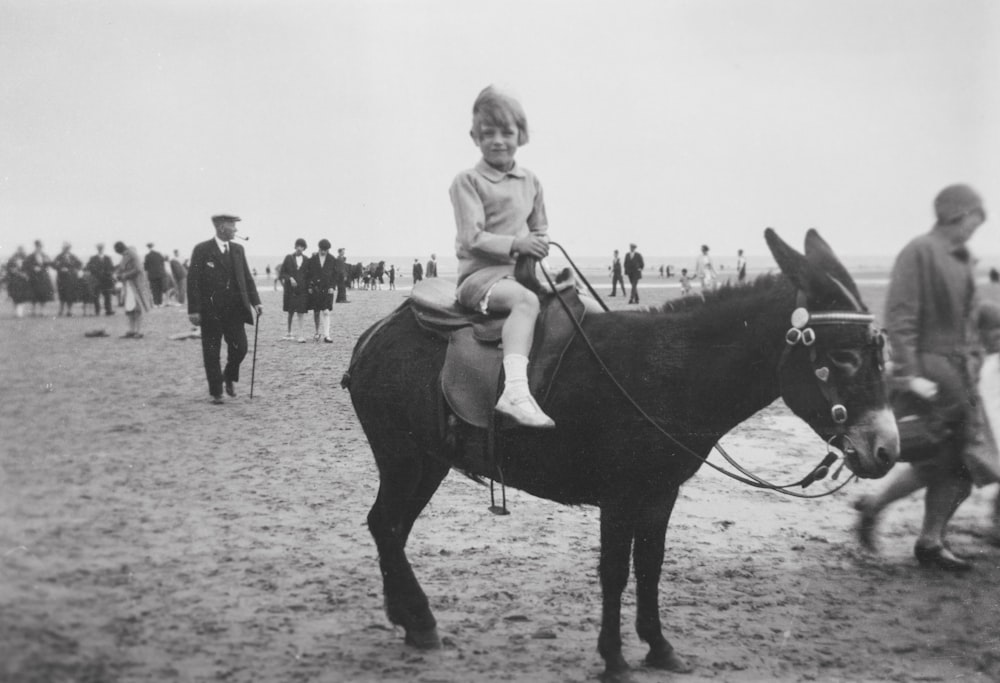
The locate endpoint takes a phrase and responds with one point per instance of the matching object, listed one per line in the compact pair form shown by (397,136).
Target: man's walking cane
(253,366)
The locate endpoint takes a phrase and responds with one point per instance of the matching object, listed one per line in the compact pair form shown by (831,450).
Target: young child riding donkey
(576,441)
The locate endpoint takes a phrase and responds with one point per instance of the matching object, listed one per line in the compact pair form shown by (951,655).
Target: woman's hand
(924,388)
(531,245)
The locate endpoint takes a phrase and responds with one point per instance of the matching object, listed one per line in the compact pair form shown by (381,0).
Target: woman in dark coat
(67,279)
(322,286)
(930,318)
(16,278)
(37,266)
(295,280)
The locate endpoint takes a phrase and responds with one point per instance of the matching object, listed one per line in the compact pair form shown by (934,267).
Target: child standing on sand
(685,282)
(500,214)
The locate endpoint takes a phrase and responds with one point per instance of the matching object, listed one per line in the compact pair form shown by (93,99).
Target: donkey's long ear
(793,264)
(819,253)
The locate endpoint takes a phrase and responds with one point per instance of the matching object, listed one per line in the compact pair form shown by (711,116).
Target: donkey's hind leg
(408,479)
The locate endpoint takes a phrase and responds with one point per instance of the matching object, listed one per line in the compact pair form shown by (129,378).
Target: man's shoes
(128,335)
(612,295)
(940,557)
(217,400)
(230,389)
(327,340)
(301,340)
(525,412)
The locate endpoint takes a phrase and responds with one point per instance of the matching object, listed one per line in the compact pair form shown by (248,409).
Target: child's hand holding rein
(531,245)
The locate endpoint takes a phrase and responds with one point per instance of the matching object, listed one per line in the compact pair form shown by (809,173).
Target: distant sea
(871,268)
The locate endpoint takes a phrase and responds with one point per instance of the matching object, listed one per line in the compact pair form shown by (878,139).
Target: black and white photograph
(430,341)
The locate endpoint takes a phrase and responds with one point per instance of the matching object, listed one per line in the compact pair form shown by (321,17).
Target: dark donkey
(697,371)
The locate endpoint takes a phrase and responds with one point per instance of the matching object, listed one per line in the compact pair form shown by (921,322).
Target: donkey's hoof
(668,661)
(427,639)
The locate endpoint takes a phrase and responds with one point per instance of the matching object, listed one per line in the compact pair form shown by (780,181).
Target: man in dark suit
(222,298)
(156,272)
(418,271)
(633,270)
(341,275)
(103,272)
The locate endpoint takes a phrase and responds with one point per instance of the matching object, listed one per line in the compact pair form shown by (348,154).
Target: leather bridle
(800,334)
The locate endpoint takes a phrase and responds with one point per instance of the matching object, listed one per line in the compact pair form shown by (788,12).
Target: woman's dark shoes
(867,519)
(230,388)
(940,557)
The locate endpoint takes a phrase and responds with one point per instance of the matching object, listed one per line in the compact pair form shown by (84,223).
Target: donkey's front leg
(617,522)
(650,536)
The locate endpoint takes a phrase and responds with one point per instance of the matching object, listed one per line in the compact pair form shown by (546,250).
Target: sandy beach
(148,536)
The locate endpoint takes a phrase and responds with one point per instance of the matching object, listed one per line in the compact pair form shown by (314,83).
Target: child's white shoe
(524,411)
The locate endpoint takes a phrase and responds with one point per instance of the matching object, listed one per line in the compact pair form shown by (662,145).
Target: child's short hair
(498,108)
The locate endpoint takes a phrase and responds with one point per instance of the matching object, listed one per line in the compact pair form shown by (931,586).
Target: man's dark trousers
(214,327)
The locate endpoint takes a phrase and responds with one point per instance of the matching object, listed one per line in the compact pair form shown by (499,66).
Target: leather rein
(800,334)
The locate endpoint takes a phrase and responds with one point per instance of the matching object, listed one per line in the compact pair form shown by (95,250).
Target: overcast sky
(667,123)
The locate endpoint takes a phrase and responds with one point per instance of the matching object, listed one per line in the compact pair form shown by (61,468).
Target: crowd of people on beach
(27,277)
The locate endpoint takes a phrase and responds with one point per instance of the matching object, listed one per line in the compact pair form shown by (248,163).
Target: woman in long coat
(322,286)
(295,280)
(930,313)
(135,288)
(67,279)
(37,266)
(16,279)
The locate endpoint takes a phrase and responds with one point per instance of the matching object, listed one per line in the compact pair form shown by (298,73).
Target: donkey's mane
(725,293)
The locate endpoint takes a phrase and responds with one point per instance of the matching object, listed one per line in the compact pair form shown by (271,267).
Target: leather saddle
(470,378)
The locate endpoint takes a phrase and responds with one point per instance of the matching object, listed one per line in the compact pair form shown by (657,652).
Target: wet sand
(146,535)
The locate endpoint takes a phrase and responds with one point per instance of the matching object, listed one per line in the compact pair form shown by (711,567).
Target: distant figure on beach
(342,276)
(661,271)
(418,271)
(741,267)
(685,282)
(994,276)
(179,273)
(156,271)
(432,267)
(616,275)
(222,299)
(16,279)
(929,316)
(633,270)
(295,281)
(704,270)
(322,287)
(136,295)
(102,270)
(392,277)
(67,267)
(37,265)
